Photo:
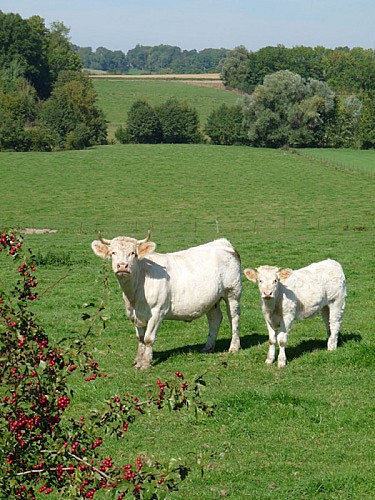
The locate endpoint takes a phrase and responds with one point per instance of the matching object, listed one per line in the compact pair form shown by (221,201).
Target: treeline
(300,97)
(156,59)
(286,110)
(349,73)
(46,102)
(344,70)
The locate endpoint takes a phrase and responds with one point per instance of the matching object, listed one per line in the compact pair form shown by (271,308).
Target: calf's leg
(335,318)
(325,315)
(282,339)
(272,345)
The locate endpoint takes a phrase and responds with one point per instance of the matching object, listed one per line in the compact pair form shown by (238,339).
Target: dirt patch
(201,79)
(204,83)
(33,230)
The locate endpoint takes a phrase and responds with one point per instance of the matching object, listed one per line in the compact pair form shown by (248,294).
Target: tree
(18,109)
(71,113)
(367,122)
(137,57)
(235,69)
(288,110)
(143,125)
(350,71)
(345,129)
(225,126)
(32,61)
(60,55)
(12,129)
(22,43)
(179,122)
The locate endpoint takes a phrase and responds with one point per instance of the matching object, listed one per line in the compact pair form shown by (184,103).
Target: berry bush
(42,448)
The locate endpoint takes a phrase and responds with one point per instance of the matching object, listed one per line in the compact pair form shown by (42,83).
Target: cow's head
(123,251)
(268,278)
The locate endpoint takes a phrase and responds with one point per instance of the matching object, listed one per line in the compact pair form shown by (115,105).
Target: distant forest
(345,70)
(157,59)
(299,97)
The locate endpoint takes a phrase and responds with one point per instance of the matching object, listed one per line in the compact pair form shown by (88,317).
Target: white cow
(180,286)
(289,295)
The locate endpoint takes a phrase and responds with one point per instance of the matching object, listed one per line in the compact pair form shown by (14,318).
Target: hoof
(143,366)
(234,348)
(207,350)
(332,347)
(269,361)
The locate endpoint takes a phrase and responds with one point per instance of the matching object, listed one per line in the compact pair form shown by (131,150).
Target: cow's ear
(283,274)
(251,275)
(145,248)
(100,249)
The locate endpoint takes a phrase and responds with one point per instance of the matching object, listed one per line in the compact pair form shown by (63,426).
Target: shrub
(179,122)
(121,135)
(42,449)
(225,126)
(143,124)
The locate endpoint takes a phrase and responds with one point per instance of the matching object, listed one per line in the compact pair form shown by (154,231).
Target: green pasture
(300,433)
(343,158)
(115,97)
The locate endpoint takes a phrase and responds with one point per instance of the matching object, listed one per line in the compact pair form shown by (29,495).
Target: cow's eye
(260,281)
(132,253)
(113,252)
(275,281)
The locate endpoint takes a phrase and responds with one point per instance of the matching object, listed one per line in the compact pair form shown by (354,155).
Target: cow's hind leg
(233,310)
(214,317)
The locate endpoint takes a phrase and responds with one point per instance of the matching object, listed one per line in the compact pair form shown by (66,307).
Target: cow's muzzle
(122,268)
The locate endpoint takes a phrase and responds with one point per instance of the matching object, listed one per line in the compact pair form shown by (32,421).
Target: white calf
(289,295)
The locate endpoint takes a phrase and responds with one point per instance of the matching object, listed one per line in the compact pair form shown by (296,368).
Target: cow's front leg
(140,331)
(149,339)
(282,339)
(271,345)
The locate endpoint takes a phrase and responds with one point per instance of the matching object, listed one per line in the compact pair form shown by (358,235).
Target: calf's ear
(145,248)
(100,249)
(283,274)
(251,275)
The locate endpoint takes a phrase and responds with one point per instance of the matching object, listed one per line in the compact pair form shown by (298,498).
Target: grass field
(344,158)
(116,97)
(303,432)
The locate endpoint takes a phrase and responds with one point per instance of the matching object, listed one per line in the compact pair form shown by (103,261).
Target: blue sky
(199,24)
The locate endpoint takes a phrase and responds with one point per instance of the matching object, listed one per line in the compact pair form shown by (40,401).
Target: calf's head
(123,251)
(268,278)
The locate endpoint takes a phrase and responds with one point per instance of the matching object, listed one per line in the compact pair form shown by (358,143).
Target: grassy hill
(115,96)
(301,432)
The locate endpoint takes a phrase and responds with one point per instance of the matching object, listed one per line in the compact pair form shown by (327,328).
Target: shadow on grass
(312,345)
(249,341)
(222,345)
